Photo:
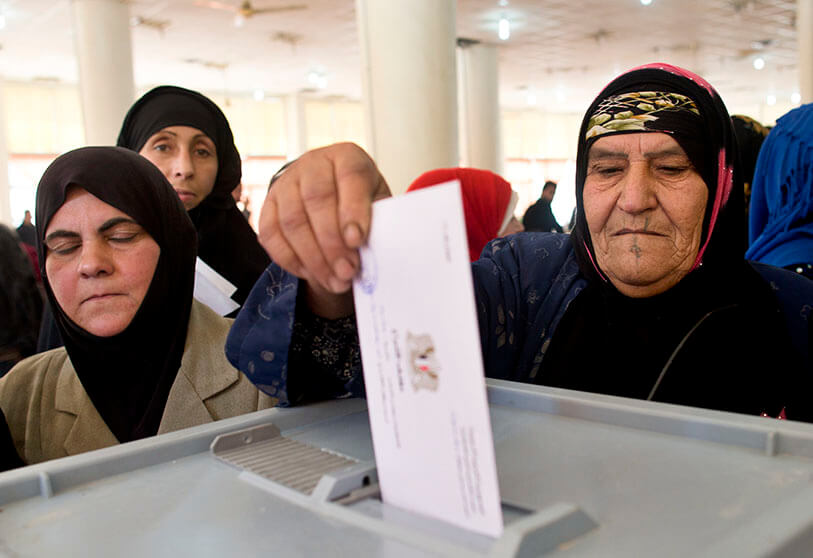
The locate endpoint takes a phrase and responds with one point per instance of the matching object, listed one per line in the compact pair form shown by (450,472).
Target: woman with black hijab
(141,357)
(188,137)
(649,297)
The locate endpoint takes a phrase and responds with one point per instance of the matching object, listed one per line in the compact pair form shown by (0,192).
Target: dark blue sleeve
(288,352)
(523,284)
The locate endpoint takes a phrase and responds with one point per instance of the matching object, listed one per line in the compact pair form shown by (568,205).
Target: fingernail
(352,235)
(337,285)
(343,269)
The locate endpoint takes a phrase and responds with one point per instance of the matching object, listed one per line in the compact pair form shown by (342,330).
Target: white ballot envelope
(423,369)
(213,290)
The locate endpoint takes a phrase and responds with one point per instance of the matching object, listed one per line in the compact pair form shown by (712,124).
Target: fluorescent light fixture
(259,94)
(646,2)
(771,100)
(531,99)
(796,98)
(759,63)
(504,29)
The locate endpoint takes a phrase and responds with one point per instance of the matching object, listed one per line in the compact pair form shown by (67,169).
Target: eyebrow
(106,226)
(599,153)
(196,137)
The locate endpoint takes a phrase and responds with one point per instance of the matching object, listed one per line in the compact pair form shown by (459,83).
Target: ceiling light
(504,29)
(771,100)
(759,63)
(646,2)
(259,94)
(503,3)
(531,99)
(796,98)
(239,20)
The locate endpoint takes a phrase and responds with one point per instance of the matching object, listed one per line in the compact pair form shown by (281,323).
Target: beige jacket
(50,415)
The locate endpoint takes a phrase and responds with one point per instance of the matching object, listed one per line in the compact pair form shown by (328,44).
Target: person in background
(20,302)
(488,203)
(539,217)
(187,136)
(649,297)
(141,356)
(781,216)
(27,231)
(750,134)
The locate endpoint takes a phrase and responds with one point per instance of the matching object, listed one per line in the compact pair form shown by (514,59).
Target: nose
(95,260)
(182,165)
(638,189)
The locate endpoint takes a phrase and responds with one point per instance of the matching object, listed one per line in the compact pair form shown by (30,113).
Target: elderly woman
(488,203)
(117,253)
(188,137)
(648,298)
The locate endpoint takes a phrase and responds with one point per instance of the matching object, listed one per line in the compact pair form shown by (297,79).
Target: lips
(184,194)
(636,231)
(100,297)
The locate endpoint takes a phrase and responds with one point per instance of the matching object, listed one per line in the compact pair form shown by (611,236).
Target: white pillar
(295,131)
(5,189)
(409,79)
(479,106)
(804,37)
(102,41)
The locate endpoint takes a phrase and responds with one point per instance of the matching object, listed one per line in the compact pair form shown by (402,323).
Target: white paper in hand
(423,369)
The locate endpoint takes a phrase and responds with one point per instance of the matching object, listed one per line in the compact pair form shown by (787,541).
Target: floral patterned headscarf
(667,99)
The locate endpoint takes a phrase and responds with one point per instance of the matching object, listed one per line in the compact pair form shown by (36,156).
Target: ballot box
(579,474)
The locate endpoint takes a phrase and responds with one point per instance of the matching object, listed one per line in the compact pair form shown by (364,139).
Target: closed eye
(63,246)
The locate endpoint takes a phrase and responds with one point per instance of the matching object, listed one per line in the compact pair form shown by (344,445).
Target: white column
(295,131)
(5,189)
(102,41)
(409,79)
(479,106)
(804,36)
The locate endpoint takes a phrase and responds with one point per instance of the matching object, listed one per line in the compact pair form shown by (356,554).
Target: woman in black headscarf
(648,298)
(117,253)
(188,137)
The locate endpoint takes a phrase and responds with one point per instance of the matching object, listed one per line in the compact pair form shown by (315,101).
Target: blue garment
(258,341)
(781,212)
(517,317)
(523,286)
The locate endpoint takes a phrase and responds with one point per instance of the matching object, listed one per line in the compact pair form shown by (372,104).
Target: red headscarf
(486,197)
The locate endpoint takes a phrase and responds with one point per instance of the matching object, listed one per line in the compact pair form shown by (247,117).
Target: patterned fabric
(633,111)
(258,342)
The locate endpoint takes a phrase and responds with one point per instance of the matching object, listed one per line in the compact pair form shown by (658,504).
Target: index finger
(359,184)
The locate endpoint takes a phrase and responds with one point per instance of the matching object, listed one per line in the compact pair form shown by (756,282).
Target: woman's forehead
(646,143)
(81,207)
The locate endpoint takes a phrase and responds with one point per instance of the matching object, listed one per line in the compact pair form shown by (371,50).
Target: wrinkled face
(644,203)
(188,159)
(99,263)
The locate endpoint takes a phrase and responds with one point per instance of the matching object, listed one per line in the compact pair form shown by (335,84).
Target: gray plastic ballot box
(580,475)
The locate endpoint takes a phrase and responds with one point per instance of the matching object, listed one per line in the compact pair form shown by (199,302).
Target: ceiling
(560,52)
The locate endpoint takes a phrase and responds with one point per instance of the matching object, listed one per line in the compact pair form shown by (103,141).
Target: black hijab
(690,344)
(225,240)
(127,376)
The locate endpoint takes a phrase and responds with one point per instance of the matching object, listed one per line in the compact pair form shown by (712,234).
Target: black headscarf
(225,240)
(697,343)
(127,376)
